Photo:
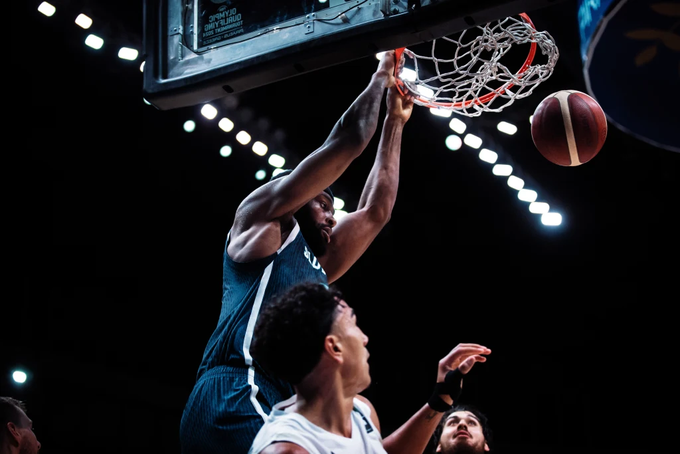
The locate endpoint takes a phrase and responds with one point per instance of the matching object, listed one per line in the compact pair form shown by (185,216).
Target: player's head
(462,430)
(308,327)
(316,218)
(16,433)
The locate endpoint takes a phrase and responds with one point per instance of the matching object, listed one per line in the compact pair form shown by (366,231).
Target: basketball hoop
(473,80)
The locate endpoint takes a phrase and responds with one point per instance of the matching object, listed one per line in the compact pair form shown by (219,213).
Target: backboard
(201,50)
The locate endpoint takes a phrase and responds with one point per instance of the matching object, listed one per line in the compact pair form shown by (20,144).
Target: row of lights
(453,142)
(259,148)
(93,41)
(208,111)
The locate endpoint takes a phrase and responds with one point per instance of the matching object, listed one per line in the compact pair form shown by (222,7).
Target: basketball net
(474,80)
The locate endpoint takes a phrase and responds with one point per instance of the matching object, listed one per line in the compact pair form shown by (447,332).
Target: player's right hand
(398,105)
(463,357)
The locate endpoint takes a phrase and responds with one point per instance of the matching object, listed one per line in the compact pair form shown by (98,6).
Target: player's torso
(294,428)
(247,287)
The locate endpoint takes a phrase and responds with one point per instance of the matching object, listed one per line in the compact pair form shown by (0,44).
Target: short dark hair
(483,421)
(10,411)
(289,334)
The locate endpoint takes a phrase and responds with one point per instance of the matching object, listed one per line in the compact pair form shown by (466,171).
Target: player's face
(462,434)
(28,444)
(317,222)
(355,354)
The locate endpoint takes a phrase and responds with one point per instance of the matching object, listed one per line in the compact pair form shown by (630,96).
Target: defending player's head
(16,431)
(316,218)
(311,329)
(463,430)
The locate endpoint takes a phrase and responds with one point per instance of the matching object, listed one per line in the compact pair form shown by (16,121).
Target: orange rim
(401,86)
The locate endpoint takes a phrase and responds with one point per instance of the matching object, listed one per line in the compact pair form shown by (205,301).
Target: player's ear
(486,448)
(439,448)
(333,347)
(14,431)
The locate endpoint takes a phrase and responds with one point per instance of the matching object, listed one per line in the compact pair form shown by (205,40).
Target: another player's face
(462,434)
(28,443)
(317,222)
(355,354)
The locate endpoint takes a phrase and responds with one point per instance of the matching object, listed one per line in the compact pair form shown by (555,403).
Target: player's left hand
(398,105)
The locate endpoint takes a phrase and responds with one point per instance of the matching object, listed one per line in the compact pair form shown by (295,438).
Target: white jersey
(285,425)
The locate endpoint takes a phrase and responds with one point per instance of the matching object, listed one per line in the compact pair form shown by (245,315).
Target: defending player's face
(355,354)
(28,444)
(462,434)
(317,220)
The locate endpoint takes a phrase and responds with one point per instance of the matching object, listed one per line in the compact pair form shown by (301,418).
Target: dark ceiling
(123,217)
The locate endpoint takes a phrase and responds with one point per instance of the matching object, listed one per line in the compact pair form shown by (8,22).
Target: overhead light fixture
(226,124)
(539,207)
(472,141)
(259,148)
(527,195)
(551,219)
(127,53)
(276,160)
(440,112)
(94,41)
(457,126)
(19,376)
(489,156)
(209,111)
(515,182)
(507,128)
(243,138)
(453,142)
(502,170)
(83,21)
(189,126)
(47,9)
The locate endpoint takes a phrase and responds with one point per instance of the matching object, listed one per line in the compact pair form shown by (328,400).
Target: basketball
(569,128)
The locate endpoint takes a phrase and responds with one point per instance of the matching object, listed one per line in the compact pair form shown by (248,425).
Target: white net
(472,80)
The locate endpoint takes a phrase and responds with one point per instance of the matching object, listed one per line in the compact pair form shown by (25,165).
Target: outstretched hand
(463,357)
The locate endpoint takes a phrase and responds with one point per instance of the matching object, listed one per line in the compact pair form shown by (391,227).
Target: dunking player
(285,233)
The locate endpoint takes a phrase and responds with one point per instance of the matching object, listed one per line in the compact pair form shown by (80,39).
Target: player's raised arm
(277,201)
(356,231)
(412,437)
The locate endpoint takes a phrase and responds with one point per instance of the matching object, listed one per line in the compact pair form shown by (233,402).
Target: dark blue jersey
(246,287)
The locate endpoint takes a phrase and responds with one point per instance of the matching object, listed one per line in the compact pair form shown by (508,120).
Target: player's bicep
(313,175)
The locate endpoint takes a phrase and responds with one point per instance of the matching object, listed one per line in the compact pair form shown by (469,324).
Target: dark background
(122,218)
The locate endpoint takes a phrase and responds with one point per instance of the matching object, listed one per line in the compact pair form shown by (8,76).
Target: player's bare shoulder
(254,233)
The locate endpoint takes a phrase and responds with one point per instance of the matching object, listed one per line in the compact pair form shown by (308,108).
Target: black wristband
(452,382)
(450,386)
(437,403)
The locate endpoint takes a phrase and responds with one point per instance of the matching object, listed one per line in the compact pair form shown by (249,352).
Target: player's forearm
(380,190)
(360,121)
(412,437)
